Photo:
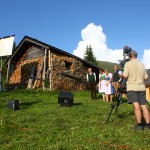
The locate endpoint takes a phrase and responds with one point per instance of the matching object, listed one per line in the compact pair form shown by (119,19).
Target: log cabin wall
(67,73)
(21,73)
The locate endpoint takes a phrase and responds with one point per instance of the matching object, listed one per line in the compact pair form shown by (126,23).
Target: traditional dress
(102,83)
(109,89)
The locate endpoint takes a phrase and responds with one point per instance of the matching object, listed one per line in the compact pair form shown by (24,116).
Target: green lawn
(41,124)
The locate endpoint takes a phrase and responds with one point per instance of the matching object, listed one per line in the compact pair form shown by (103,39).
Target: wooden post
(38,74)
(8,71)
(50,70)
(148,93)
(44,70)
(30,82)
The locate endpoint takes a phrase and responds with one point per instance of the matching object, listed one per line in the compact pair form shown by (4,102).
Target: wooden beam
(8,71)
(30,82)
(38,74)
(50,72)
(44,70)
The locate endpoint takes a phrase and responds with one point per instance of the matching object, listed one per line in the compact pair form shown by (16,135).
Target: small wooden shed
(36,64)
(147,83)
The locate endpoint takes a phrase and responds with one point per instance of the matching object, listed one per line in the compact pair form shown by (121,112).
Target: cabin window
(68,65)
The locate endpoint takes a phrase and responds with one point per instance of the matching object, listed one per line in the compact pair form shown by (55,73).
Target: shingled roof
(27,41)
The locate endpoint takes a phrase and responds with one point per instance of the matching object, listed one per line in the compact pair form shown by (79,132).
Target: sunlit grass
(42,124)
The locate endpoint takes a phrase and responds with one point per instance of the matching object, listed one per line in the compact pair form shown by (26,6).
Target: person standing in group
(135,73)
(109,88)
(91,79)
(102,83)
(116,79)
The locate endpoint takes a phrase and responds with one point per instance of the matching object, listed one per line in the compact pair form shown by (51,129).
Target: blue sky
(60,23)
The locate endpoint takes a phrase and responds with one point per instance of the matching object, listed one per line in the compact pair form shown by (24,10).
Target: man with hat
(135,73)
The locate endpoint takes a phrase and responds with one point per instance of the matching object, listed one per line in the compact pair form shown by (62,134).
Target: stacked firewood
(65,73)
(77,71)
(22,71)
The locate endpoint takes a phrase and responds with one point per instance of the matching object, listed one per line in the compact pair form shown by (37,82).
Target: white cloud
(146,58)
(93,35)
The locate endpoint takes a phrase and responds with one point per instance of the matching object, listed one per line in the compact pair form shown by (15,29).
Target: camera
(126,50)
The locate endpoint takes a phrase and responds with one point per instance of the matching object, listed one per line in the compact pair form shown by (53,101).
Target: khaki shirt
(136,73)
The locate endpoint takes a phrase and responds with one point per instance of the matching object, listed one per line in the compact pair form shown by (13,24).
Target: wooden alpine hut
(36,64)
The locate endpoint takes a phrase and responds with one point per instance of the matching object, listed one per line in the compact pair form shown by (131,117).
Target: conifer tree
(89,56)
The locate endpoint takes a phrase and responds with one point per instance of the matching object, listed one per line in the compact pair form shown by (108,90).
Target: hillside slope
(107,65)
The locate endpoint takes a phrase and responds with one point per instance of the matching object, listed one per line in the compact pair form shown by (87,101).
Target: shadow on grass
(117,115)
(70,105)
(119,101)
(77,104)
(25,105)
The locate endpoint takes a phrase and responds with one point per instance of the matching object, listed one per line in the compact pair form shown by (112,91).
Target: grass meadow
(42,124)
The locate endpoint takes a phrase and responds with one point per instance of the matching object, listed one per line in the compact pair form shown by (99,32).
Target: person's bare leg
(103,96)
(111,96)
(106,97)
(137,112)
(146,114)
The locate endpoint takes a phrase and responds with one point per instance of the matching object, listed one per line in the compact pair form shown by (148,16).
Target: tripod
(118,98)
(122,85)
